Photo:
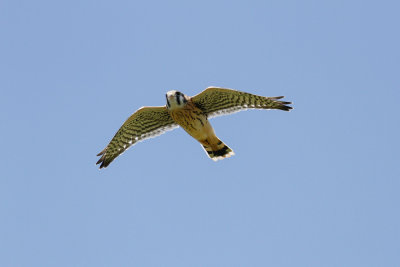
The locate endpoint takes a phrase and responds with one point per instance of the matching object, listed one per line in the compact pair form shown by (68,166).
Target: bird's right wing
(145,123)
(216,101)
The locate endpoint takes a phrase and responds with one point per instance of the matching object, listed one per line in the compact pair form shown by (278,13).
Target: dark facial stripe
(178,100)
(168,104)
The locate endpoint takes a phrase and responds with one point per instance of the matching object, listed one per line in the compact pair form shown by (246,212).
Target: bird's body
(191,113)
(194,121)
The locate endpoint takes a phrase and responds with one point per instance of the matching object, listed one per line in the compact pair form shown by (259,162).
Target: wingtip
(102,161)
(283,104)
(102,152)
(102,165)
(288,108)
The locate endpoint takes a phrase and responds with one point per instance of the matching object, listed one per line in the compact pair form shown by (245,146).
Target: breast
(193,121)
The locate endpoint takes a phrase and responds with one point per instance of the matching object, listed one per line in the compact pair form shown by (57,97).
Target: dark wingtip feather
(100,160)
(102,152)
(283,105)
(103,161)
(103,164)
(285,108)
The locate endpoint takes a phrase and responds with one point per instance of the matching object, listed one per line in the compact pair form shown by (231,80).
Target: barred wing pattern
(145,123)
(216,101)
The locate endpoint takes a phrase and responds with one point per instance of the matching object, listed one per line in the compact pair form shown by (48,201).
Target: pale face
(175,99)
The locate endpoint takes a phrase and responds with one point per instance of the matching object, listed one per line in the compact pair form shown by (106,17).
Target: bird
(190,113)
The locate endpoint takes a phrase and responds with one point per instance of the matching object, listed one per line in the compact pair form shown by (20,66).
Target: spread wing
(145,123)
(215,101)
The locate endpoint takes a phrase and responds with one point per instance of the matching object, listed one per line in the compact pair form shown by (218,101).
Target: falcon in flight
(192,114)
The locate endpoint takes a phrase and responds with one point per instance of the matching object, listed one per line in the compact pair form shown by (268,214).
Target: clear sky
(318,186)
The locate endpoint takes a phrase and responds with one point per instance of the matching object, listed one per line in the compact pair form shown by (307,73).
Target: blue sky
(318,186)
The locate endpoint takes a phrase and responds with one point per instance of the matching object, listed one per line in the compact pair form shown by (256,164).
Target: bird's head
(176,99)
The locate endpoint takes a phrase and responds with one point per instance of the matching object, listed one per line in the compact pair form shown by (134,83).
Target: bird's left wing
(145,123)
(216,101)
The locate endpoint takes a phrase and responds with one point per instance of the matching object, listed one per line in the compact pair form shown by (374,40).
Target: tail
(218,151)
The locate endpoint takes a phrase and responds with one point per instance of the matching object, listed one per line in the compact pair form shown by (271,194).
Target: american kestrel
(192,114)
